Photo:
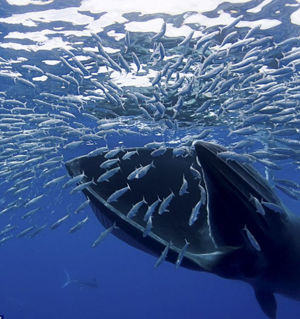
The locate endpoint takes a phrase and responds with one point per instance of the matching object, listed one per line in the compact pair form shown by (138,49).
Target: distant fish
(161,33)
(89,284)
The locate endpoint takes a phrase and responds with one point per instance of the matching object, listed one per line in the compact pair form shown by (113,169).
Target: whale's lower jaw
(196,210)
(172,225)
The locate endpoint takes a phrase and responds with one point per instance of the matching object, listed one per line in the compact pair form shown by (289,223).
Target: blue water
(33,270)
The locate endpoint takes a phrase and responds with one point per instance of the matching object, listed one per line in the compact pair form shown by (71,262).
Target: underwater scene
(150,159)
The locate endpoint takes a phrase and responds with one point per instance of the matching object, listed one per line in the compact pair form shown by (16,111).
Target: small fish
(96,37)
(117,194)
(32,68)
(90,284)
(163,255)
(187,88)
(161,33)
(30,213)
(184,187)
(195,213)
(203,134)
(73,145)
(244,131)
(148,227)
(228,37)
(114,152)
(134,174)
(269,164)
(24,181)
(129,154)
(252,239)
(59,222)
(82,206)
(97,151)
(140,171)
(78,225)
(104,234)
(233,23)
(151,209)
(165,203)
(159,151)
(232,156)
(181,254)
(7,229)
(110,162)
(124,63)
(25,232)
(288,192)
(37,231)
(134,210)
(156,79)
(56,78)
(204,39)
(195,173)
(276,208)
(202,194)
(21,190)
(34,200)
(243,144)
(136,62)
(154,145)
(26,82)
(258,205)
(82,186)
(54,181)
(5,239)
(181,151)
(80,65)
(108,174)
(161,51)
(287,183)
(252,30)
(74,180)
(187,39)
(144,170)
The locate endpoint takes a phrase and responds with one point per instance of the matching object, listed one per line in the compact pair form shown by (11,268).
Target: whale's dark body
(218,241)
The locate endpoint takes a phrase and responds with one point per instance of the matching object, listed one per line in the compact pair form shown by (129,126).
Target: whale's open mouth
(186,206)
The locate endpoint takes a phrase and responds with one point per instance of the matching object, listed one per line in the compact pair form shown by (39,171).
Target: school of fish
(241,82)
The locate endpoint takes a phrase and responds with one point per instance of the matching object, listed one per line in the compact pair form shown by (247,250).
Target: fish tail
(68,280)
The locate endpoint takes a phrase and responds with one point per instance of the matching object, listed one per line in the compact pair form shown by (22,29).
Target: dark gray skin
(220,246)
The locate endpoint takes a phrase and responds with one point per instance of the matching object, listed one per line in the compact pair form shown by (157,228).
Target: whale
(197,210)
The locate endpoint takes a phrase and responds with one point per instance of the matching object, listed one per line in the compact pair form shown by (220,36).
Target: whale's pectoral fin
(267,302)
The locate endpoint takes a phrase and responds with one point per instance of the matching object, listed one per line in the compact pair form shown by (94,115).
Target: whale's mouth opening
(164,177)
(178,184)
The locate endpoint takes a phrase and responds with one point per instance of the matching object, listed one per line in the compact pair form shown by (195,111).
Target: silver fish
(103,235)
(148,227)
(163,254)
(79,225)
(184,187)
(117,194)
(252,239)
(59,222)
(108,174)
(165,203)
(82,186)
(135,208)
(82,206)
(181,254)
